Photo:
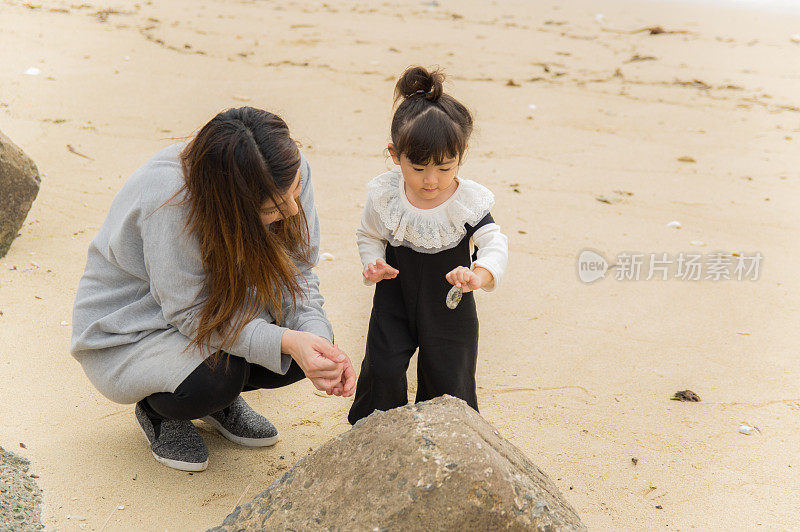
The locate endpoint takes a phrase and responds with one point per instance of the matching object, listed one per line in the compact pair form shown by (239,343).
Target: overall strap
(486,220)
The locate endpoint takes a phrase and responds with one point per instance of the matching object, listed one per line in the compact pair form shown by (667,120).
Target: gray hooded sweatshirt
(138,302)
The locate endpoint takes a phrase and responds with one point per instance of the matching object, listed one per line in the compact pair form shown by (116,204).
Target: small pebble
(748,429)
(686,395)
(453,297)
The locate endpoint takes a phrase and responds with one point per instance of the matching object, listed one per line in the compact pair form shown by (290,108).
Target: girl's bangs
(432,137)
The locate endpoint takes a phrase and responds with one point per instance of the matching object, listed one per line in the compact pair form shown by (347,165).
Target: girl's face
(427,183)
(271,213)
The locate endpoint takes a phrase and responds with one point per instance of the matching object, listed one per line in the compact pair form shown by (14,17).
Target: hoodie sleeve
(175,269)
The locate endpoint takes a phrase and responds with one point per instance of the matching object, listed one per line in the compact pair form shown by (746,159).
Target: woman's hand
(347,385)
(469,280)
(379,271)
(325,365)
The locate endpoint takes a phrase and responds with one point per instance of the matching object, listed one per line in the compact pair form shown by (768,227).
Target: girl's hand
(379,271)
(469,280)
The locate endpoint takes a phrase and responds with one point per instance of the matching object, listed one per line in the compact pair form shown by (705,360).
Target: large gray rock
(19,185)
(20,497)
(436,465)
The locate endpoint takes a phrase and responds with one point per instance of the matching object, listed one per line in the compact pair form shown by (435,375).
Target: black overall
(408,312)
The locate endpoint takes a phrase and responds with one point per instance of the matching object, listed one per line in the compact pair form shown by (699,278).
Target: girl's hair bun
(417,82)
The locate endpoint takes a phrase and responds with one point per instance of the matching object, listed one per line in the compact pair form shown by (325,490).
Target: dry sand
(578,376)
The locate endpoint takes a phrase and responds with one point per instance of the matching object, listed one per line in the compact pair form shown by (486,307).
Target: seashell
(453,297)
(748,429)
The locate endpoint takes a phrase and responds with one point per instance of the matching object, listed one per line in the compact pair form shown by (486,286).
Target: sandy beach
(581,122)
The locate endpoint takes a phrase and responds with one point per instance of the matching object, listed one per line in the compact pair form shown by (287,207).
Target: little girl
(417,230)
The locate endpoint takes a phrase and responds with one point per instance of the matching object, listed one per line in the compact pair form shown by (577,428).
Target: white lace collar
(428,230)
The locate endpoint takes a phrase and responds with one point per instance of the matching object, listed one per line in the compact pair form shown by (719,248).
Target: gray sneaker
(175,443)
(243,425)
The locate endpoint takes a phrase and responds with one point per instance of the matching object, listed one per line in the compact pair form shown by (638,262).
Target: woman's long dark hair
(238,161)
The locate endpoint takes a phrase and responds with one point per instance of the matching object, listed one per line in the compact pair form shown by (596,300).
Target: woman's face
(287,204)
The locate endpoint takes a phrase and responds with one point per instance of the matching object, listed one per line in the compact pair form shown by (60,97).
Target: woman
(199,286)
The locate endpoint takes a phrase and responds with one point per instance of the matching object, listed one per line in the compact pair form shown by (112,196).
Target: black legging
(208,390)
